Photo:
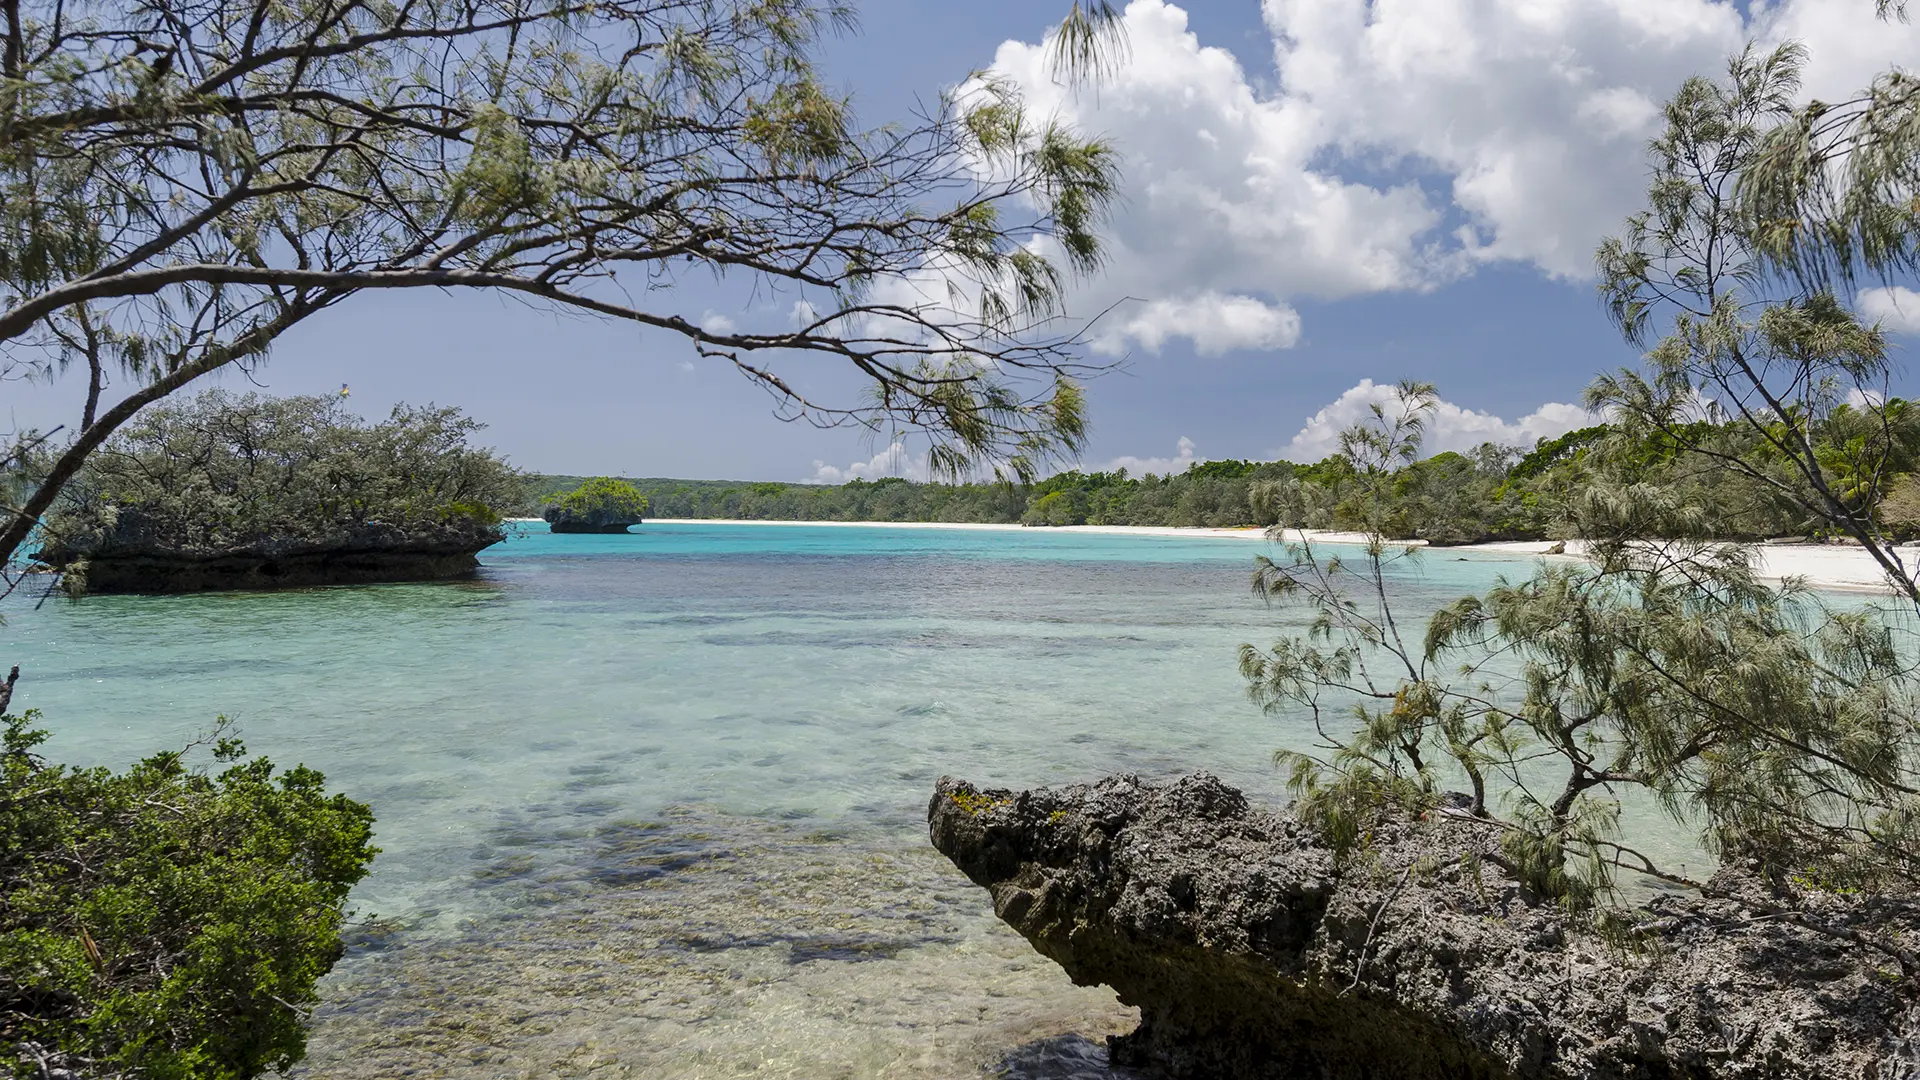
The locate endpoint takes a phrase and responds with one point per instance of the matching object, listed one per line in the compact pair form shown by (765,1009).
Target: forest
(1492,493)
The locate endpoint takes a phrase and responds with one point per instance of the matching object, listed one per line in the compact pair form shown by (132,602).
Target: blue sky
(1403,188)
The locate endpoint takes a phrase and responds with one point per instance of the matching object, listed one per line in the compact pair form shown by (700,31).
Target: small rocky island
(1252,953)
(603,504)
(250,492)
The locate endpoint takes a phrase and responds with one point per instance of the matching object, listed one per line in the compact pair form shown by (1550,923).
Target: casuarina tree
(183,181)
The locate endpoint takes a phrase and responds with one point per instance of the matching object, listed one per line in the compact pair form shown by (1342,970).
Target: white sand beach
(1823,566)
(1319,536)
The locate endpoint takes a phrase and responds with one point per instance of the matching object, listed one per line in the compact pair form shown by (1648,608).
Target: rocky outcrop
(566,521)
(1251,953)
(129,560)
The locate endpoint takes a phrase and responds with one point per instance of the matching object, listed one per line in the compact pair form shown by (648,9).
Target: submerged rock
(1251,953)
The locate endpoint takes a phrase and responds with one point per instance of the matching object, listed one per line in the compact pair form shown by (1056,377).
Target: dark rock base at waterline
(1251,953)
(577,527)
(159,574)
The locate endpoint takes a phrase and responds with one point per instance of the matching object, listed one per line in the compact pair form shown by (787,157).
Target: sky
(1320,197)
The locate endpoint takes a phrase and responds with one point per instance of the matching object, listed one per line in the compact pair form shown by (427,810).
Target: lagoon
(653,805)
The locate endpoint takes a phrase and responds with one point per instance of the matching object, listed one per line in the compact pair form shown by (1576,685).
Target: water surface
(653,805)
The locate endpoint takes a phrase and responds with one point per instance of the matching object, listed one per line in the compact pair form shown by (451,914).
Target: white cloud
(1404,143)
(802,314)
(1533,113)
(1215,323)
(1861,399)
(1450,428)
(893,461)
(1895,308)
(685,365)
(1226,211)
(715,323)
(1138,466)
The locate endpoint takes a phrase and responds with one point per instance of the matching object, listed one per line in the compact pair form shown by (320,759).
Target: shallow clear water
(653,804)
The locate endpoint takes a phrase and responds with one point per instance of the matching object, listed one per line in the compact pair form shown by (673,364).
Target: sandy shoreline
(1823,566)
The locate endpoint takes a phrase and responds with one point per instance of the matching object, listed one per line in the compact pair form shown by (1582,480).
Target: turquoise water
(647,740)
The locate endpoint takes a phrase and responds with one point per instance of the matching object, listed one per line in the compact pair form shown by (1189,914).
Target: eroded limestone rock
(132,560)
(1251,954)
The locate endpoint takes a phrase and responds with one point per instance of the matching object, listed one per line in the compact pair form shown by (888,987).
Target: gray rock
(132,559)
(1251,954)
(562,520)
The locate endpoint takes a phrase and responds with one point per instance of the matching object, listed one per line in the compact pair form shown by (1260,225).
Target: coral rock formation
(1251,952)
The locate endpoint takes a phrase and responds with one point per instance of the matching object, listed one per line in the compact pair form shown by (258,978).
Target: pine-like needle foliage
(1786,732)
(1662,671)
(182,181)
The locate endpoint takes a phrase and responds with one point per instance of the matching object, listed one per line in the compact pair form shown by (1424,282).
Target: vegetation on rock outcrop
(602,504)
(254,481)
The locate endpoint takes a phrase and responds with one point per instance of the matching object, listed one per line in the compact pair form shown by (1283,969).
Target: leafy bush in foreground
(164,922)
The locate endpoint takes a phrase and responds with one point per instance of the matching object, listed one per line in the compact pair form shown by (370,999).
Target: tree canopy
(1661,673)
(183,182)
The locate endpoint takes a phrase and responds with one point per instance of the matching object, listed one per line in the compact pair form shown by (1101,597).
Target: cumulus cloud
(893,461)
(1895,308)
(1140,466)
(1215,323)
(1450,427)
(1532,113)
(715,323)
(1226,212)
(1861,399)
(1404,143)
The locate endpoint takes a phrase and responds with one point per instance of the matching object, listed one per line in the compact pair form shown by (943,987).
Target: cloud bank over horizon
(1451,427)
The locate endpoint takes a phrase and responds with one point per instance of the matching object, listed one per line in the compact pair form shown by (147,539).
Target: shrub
(602,502)
(221,472)
(166,922)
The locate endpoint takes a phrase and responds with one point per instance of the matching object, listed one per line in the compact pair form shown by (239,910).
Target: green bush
(600,501)
(165,922)
(223,472)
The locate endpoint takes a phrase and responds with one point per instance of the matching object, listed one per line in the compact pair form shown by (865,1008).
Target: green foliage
(1490,493)
(168,922)
(1747,383)
(1552,452)
(1826,196)
(1783,731)
(1660,672)
(221,473)
(602,500)
(183,183)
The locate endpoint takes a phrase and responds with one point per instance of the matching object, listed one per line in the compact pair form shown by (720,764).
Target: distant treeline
(1491,493)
